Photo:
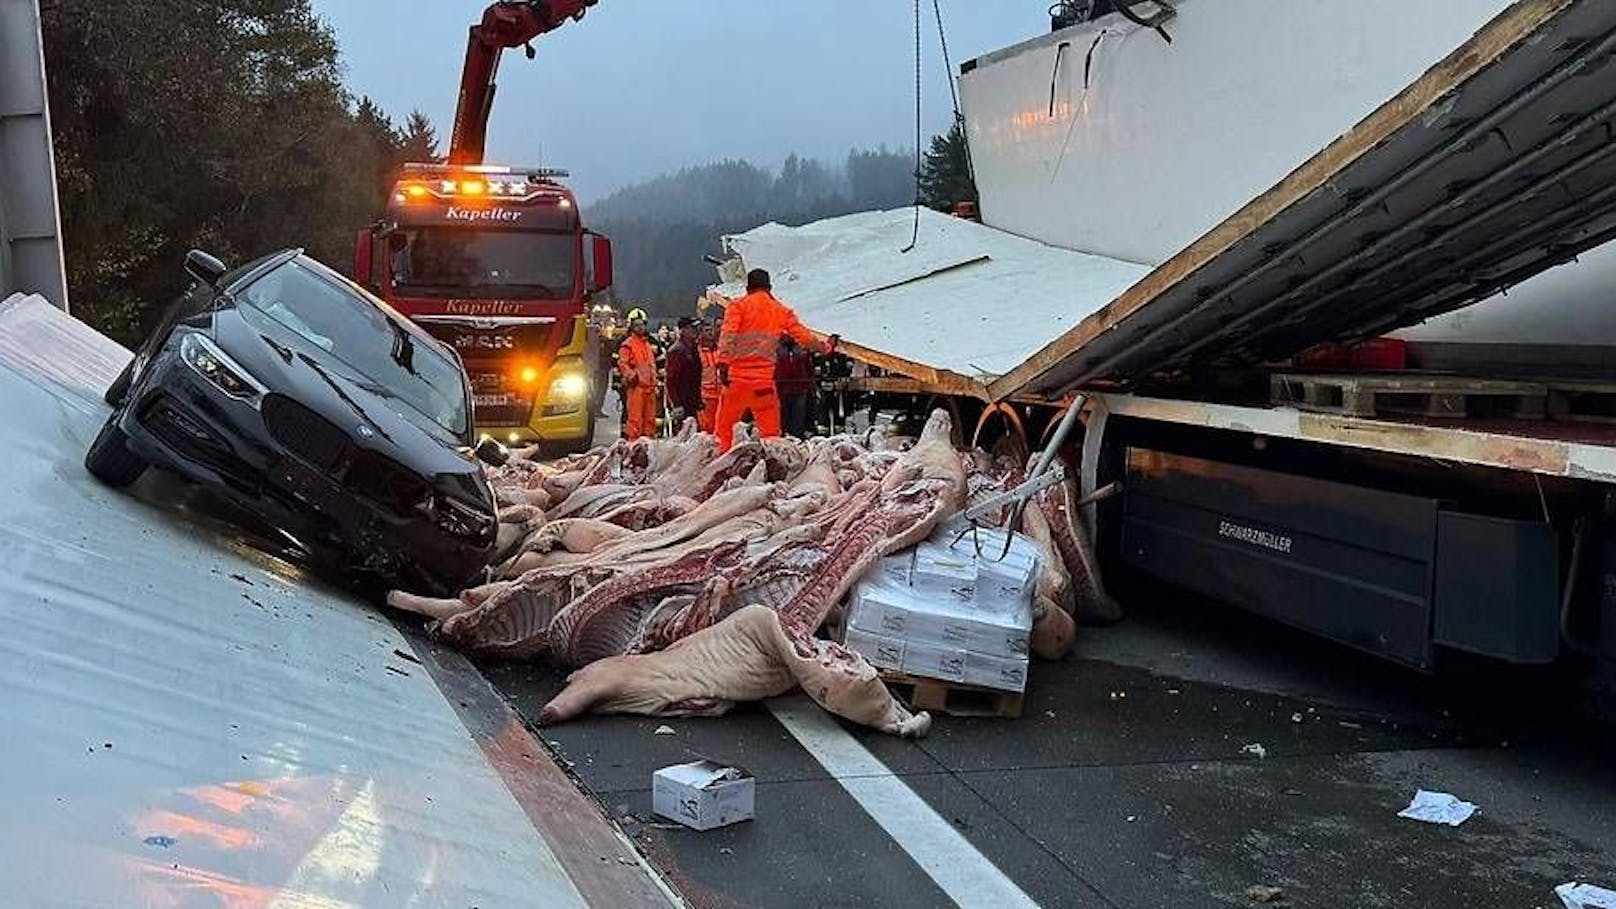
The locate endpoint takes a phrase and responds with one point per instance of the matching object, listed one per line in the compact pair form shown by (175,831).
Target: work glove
(678,415)
(631,381)
(832,342)
(723,373)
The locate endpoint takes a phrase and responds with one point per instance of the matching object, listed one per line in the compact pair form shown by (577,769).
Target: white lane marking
(965,874)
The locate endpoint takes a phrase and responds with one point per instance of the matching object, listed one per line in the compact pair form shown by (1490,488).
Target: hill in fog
(661,228)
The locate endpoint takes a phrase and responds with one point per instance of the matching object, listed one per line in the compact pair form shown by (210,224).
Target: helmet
(638,314)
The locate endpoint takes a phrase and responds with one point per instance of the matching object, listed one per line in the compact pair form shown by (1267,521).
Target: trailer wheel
(1000,432)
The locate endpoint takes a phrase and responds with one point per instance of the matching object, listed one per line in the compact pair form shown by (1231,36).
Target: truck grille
(304,432)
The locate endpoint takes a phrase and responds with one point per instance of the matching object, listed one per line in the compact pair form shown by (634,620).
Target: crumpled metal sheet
(186,722)
(968,299)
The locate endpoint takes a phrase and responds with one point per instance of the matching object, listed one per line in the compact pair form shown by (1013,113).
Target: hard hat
(637,314)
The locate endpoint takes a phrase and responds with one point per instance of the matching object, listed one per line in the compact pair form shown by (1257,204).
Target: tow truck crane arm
(505,24)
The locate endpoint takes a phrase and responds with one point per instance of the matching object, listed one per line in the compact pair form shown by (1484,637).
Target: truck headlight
(213,364)
(569,386)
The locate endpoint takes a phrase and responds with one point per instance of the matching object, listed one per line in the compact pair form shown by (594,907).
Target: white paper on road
(187,722)
(1585,896)
(1438,808)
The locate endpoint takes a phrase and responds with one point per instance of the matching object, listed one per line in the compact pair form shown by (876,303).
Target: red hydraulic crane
(505,24)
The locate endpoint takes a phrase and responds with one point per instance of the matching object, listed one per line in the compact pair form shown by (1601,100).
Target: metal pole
(30,223)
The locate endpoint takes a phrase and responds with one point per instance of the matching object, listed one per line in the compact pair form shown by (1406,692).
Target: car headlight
(213,364)
(458,519)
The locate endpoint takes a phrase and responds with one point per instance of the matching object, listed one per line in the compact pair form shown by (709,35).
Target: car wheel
(109,458)
(119,389)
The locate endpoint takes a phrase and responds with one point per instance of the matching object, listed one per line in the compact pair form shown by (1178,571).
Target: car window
(355,331)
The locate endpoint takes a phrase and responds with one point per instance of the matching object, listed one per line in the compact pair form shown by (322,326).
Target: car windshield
(363,336)
(451,261)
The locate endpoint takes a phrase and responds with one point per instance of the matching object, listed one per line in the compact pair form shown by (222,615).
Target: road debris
(410,657)
(1438,808)
(1585,896)
(1263,893)
(703,794)
(1255,749)
(664,730)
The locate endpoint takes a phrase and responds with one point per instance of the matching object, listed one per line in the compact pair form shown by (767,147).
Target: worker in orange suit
(753,327)
(708,348)
(636,367)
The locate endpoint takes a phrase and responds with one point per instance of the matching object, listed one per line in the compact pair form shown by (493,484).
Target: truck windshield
(450,261)
(383,351)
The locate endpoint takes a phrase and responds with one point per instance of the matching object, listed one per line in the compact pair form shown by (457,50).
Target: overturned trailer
(1406,513)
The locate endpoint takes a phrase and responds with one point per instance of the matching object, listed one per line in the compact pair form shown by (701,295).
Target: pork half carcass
(733,564)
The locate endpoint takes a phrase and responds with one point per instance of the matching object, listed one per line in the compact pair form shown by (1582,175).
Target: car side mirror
(490,452)
(203,267)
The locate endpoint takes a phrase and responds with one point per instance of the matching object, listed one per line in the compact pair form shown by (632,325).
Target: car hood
(395,429)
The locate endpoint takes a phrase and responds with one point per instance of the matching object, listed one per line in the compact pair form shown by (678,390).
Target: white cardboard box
(703,794)
(1006,579)
(996,672)
(882,652)
(930,661)
(943,575)
(994,627)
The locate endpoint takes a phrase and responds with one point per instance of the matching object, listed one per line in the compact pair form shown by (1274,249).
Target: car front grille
(387,483)
(304,432)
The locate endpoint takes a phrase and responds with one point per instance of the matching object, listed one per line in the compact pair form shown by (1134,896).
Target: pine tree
(419,141)
(945,174)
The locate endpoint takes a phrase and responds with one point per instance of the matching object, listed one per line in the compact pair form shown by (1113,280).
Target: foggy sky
(640,87)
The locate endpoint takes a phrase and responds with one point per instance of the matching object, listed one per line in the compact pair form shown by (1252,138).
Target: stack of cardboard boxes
(950,609)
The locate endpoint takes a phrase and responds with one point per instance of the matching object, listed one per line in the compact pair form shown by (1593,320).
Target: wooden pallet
(1582,403)
(1424,396)
(952,698)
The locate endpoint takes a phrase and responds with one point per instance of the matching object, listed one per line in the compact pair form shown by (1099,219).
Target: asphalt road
(1132,780)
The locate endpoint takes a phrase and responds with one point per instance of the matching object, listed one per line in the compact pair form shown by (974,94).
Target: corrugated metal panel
(186,722)
(1496,164)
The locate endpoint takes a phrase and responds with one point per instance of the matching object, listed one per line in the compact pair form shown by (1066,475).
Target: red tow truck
(495,261)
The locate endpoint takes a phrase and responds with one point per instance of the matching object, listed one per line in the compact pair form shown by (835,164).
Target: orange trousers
(739,397)
(708,418)
(642,412)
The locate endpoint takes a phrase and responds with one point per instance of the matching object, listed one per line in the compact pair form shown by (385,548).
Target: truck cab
(495,262)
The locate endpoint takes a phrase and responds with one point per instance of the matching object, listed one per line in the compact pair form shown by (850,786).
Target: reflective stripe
(745,344)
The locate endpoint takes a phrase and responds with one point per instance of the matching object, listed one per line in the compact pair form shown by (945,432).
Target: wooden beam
(1506,31)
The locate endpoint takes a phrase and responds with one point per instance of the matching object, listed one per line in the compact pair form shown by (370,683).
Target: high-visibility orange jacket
(636,362)
(710,386)
(751,335)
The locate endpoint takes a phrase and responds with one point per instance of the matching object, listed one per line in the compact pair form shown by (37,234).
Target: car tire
(109,458)
(119,389)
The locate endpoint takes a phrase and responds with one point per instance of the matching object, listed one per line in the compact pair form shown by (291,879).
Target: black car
(295,394)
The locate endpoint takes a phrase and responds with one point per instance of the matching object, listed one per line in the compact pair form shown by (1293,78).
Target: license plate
(502,400)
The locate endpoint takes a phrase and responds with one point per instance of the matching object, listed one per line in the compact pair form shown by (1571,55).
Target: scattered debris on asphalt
(1255,749)
(1438,808)
(703,794)
(1585,896)
(1263,893)
(663,730)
